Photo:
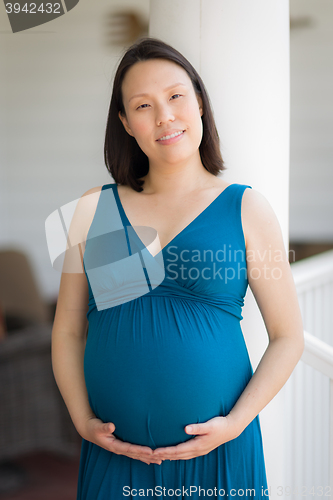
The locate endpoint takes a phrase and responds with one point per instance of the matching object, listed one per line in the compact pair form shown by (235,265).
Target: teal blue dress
(165,349)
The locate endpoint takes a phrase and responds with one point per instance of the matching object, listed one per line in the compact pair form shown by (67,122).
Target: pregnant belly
(152,382)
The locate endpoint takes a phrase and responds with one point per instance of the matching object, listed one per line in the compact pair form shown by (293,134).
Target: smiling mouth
(171,136)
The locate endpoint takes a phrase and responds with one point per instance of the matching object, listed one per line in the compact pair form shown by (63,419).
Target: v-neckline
(177,235)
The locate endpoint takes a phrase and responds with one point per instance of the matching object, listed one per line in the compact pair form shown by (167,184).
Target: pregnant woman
(160,385)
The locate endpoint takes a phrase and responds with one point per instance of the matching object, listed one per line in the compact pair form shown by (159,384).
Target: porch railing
(309,390)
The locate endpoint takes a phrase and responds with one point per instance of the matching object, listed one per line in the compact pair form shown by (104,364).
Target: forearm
(67,364)
(274,369)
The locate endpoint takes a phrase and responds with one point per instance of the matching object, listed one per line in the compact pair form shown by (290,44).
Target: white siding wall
(56,88)
(57,84)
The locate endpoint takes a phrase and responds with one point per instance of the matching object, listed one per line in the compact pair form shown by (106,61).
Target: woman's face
(170,105)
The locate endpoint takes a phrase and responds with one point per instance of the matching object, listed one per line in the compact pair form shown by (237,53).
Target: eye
(142,105)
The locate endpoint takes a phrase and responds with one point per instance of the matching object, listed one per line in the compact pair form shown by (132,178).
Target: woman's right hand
(101,433)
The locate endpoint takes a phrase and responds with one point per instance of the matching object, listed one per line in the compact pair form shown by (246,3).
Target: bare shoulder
(88,201)
(84,214)
(256,203)
(91,191)
(258,218)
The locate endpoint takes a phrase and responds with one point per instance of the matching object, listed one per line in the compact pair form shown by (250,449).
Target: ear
(123,120)
(200,104)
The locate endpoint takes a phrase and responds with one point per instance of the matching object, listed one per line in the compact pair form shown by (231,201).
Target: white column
(241,50)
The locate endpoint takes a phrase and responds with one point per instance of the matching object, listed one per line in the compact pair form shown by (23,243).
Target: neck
(176,179)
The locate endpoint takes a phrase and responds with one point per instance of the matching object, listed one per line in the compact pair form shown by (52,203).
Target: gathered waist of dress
(229,303)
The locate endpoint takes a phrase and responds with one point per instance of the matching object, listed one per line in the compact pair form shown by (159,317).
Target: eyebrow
(168,88)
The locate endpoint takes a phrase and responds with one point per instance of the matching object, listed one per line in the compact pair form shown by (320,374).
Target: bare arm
(70,322)
(272,284)
(69,341)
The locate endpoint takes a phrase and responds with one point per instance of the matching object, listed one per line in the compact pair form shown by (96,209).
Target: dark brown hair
(123,157)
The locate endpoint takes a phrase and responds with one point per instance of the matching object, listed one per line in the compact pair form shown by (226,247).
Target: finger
(136,449)
(174,451)
(142,452)
(109,427)
(138,452)
(196,429)
(148,463)
(198,446)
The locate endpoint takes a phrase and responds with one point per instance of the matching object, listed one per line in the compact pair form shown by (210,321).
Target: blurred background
(56,86)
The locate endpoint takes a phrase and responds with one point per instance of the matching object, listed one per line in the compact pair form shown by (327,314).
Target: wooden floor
(48,477)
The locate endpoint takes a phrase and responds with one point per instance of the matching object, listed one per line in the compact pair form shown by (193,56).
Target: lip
(173,139)
(170,132)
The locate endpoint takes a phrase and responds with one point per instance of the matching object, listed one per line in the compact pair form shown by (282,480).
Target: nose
(164,114)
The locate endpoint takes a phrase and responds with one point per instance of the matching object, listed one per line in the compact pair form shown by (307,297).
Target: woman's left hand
(209,435)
